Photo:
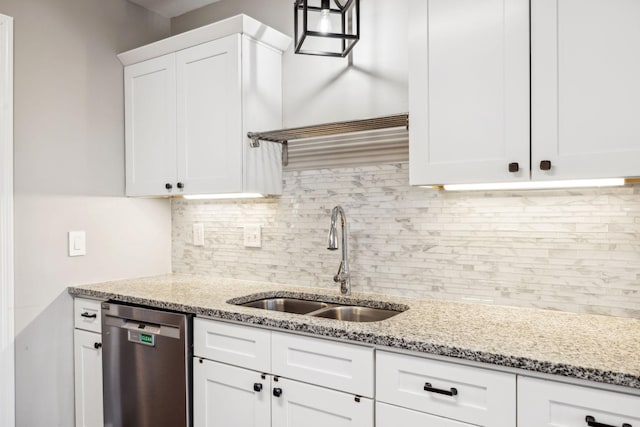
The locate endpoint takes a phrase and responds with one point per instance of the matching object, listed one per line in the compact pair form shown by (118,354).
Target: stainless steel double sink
(349,313)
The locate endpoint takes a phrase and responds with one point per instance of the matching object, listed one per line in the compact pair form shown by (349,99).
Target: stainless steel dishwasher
(146,367)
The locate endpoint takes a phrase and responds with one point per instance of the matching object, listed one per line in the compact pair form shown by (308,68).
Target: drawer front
(473,395)
(394,416)
(548,403)
(345,367)
(237,345)
(86,314)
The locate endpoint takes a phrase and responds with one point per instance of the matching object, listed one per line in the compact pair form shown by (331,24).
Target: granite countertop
(597,348)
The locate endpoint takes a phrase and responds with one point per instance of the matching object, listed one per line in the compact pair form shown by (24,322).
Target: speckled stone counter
(595,348)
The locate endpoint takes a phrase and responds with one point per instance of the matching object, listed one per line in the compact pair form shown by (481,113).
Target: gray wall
(69,175)
(320,89)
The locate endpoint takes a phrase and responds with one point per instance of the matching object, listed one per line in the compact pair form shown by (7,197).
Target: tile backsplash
(571,250)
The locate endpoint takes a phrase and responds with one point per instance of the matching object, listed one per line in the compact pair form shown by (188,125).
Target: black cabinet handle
(89,316)
(514,167)
(180,185)
(277,392)
(545,165)
(257,387)
(591,422)
(97,345)
(451,392)
(168,186)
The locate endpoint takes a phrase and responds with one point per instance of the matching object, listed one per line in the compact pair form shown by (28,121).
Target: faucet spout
(343,276)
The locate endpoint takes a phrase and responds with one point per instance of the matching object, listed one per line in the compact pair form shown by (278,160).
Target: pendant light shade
(326,27)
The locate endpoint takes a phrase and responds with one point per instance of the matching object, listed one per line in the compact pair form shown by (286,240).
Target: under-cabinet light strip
(223,196)
(537,185)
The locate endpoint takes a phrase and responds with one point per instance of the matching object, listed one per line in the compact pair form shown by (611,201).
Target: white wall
(69,175)
(321,89)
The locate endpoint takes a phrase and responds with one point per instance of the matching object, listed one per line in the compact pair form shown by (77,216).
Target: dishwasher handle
(135,327)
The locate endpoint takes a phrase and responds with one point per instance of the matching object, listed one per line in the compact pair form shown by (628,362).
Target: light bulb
(324,26)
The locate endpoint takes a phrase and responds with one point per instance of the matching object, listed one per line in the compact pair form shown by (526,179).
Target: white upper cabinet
(210,117)
(150,117)
(190,101)
(469,91)
(585,88)
(470,82)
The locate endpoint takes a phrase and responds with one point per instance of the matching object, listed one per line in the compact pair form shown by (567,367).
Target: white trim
(236,24)
(7,365)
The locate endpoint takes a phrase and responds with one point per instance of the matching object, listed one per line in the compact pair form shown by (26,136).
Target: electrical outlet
(252,236)
(198,234)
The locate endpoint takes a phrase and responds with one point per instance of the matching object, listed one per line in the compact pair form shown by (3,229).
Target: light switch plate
(77,243)
(198,234)
(252,236)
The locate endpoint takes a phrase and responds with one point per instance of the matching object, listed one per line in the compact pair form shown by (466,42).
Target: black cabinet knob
(257,387)
(168,186)
(514,167)
(97,345)
(277,392)
(545,165)
(180,185)
(89,316)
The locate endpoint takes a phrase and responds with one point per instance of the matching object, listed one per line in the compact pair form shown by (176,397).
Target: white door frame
(7,366)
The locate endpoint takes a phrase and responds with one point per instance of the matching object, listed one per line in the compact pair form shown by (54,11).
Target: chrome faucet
(343,277)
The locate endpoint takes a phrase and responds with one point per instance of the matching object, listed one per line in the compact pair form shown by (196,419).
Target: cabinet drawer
(340,366)
(86,314)
(393,416)
(548,403)
(238,345)
(473,395)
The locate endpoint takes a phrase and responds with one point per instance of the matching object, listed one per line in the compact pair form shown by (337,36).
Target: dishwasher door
(146,367)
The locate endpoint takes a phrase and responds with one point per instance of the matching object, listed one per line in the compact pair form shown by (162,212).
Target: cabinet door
(300,404)
(226,396)
(547,403)
(88,378)
(469,91)
(394,416)
(210,140)
(150,126)
(585,88)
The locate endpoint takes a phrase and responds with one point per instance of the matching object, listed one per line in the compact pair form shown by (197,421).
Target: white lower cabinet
(88,378)
(87,358)
(394,416)
(319,382)
(298,404)
(477,396)
(228,396)
(548,403)
(331,364)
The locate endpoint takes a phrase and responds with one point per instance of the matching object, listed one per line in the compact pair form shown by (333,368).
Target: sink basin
(325,309)
(288,305)
(355,313)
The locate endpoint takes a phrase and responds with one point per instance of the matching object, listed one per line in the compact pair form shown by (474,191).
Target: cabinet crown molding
(242,24)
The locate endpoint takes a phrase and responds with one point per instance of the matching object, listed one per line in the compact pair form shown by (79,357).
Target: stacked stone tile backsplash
(571,250)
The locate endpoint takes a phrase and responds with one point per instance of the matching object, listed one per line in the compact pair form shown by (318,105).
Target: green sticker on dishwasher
(146,339)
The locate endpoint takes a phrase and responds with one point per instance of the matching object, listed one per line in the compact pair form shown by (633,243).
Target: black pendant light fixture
(326,27)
